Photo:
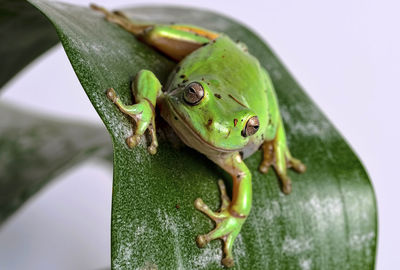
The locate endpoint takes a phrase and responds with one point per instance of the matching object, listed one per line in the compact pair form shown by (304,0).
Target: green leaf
(34,149)
(328,222)
(25,34)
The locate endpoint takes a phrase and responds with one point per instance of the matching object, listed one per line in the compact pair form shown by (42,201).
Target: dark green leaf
(328,222)
(34,149)
(24,35)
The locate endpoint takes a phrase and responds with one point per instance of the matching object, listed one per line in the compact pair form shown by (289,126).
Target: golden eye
(251,127)
(193,93)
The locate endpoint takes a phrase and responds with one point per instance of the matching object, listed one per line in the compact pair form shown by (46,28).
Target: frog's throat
(198,142)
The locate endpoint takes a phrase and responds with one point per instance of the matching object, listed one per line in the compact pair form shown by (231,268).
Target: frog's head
(207,119)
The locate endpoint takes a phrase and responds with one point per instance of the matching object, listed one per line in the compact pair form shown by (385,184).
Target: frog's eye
(251,127)
(193,93)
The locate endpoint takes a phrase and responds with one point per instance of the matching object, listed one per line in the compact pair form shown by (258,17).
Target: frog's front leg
(277,154)
(232,214)
(145,88)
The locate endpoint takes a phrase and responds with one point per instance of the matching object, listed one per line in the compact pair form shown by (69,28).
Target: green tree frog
(219,101)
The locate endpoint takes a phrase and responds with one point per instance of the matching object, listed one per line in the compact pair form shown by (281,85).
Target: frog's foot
(121,19)
(277,154)
(228,225)
(144,115)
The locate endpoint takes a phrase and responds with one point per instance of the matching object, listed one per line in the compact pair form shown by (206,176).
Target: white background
(345,54)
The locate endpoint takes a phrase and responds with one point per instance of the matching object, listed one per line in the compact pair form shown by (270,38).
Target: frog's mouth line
(193,132)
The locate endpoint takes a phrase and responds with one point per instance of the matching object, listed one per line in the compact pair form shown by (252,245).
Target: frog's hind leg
(277,154)
(233,213)
(175,40)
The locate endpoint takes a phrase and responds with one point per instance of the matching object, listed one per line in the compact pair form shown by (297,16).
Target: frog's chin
(188,134)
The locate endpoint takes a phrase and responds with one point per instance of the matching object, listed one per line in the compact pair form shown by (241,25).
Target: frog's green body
(219,101)
(236,88)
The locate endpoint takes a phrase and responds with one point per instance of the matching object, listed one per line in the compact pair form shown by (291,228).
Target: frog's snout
(214,126)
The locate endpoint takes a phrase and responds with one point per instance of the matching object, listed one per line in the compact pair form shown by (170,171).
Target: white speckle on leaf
(97,47)
(127,250)
(305,264)
(124,255)
(311,128)
(209,255)
(362,242)
(149,266)
(314,126)
(296,246)
(321,208)
(333,206)
(240,247)
(277,74)
(140,230)
(169,224)
(271,213)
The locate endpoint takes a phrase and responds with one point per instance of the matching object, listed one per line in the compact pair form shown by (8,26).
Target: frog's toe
(286,182)
(264,167)
(202,241)
(228,262)
(297,165)
(121,14)
(111,17)
(154,143)
(202,207)
(224,196)
(268,156)
(228,245)
(111,94)
(133,141)
(287,186)
(152,149)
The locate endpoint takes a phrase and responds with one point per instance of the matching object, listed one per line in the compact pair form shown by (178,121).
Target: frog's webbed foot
(145,87)
(228,225)
(276,153)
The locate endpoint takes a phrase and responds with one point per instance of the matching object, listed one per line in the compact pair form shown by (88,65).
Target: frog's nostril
(209,124)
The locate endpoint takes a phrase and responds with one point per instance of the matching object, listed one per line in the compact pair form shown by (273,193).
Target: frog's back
(229,66)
